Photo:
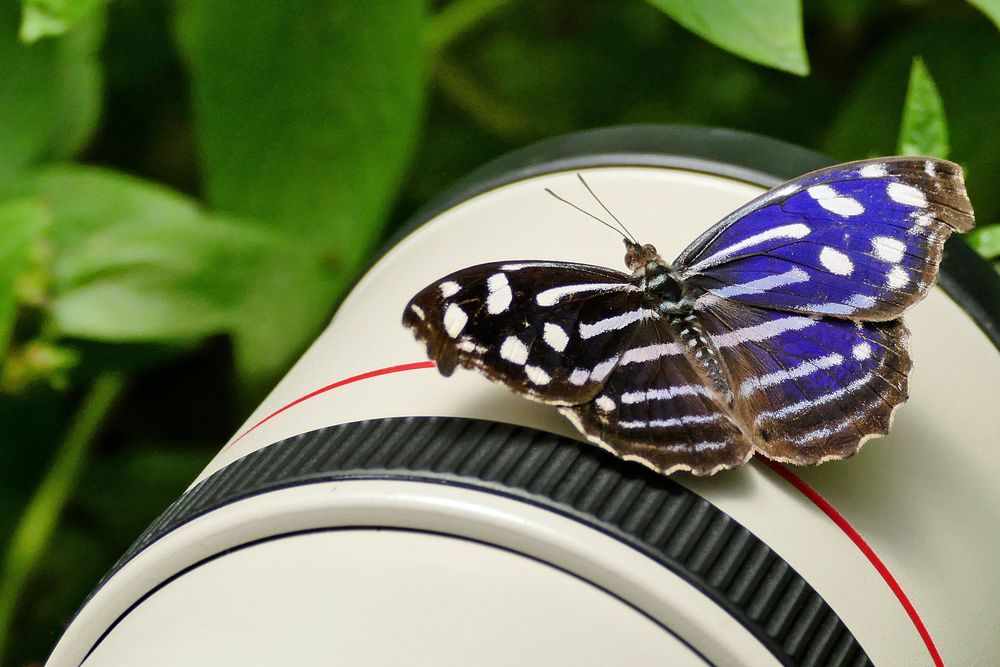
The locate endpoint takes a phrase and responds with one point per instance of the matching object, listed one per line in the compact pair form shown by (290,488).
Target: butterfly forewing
(549,330)
(860,241)
(810,389)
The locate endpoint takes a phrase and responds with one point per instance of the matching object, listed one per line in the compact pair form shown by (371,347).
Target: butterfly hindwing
(860,241)
(655,408)
(810,389)
(548,330)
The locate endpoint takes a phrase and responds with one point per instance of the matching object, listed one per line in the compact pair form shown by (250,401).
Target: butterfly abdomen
(701,353)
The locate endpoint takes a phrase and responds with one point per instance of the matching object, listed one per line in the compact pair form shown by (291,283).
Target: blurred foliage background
(187,188)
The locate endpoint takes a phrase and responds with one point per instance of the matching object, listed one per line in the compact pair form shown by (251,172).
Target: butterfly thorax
(665,292)
(661,286)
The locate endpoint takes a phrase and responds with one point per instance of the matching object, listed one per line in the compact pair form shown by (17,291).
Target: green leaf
(49,92)
(22,223)
(154,281)
(986,241)
(182,280)
(989,7)
(138,263)
(768,32)
(51,18)
(924,130)
(867,124)
(307,112)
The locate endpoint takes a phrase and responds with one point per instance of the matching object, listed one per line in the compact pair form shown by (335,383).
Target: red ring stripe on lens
(322,390)
(823,504)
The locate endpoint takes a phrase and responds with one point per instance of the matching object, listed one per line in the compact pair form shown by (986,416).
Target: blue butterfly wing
(810,389)
(859,241)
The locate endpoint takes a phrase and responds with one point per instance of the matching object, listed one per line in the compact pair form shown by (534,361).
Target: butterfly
(776,331)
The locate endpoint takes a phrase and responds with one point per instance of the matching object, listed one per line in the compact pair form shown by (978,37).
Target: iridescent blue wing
(551,331)
(657,409)
(860,240)
(810,389)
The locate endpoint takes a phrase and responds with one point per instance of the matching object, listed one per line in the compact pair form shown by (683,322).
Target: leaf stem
(39,520)
(485,108)
(457,18)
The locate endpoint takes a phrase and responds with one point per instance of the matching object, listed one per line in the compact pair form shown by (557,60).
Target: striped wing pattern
(810,389)
(656,408)
(785,339)
(859,241)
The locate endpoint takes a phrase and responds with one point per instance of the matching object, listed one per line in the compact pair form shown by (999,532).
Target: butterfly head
(641,257)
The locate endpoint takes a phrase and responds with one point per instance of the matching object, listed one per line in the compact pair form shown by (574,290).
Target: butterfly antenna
(606,209)
(587,213)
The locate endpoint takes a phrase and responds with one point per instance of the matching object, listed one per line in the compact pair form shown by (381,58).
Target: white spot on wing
(835,261)
(861,351)
(536,375)
(897,278)
(418,311)
(554,295)
(873,170)
(802,406)
(496,281)
(500,295)
(795,275)
(920,223)
(777,377)
(793,231)
(783,191)
(906,194)
(764,331)
(650,352)
(930,168)
(889,249)
(604,404)
(514,351)
(683,420)
(836,427)
(579,376)
(834,202)
(861,301)
(455,320)
(829,308)
(602,369)
(517,266)
(615,322)
(555,336)
(664,393)
(449,288)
